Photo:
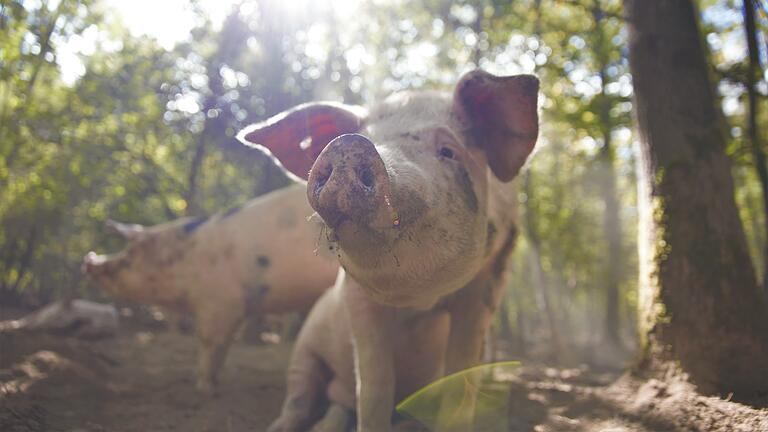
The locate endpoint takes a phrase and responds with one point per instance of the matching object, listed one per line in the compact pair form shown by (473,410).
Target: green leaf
(449,399)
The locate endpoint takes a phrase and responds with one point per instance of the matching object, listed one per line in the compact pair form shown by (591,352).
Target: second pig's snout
(350,182)
(91,263)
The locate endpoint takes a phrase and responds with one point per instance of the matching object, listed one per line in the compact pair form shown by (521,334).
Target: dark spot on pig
(467,189)
(194,224)
(263,261)
(228,251)
(230,212)
(410,135)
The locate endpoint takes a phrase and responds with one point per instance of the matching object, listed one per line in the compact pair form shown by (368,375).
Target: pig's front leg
(372,327)
(216,328)
(471,311)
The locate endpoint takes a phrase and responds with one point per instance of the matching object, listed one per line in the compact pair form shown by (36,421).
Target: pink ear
(500,116)
(284,133)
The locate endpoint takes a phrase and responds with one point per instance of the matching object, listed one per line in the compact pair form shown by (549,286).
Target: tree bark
(758,154)
(612,232)
(700,305)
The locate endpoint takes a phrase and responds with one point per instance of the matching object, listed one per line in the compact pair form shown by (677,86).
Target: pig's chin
(360,240)
(399,267)
(405,281)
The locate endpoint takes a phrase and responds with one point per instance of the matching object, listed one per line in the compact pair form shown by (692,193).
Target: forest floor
(143,380)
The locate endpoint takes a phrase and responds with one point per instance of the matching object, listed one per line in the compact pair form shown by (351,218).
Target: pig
(259,258)
(80,318)
(420,213)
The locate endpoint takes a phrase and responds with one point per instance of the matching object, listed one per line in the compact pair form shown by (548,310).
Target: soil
(143,380)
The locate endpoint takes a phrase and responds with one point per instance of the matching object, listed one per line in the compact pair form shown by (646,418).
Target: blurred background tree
(103,118)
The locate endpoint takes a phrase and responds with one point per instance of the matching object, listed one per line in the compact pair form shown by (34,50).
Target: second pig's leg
(215,333)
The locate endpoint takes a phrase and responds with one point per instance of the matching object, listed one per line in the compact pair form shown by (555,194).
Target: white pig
(420,213)
(256,259)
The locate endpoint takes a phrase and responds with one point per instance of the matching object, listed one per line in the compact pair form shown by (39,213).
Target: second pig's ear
(297,136)
(127,231)
(500,116)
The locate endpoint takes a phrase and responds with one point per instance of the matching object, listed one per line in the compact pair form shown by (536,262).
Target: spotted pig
(260,258)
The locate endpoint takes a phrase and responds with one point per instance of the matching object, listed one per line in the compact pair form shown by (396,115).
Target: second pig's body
(258,258)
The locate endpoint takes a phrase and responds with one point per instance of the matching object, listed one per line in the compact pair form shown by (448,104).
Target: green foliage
(480,395)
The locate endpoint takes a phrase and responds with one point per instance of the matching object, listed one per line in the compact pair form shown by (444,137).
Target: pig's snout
(91,263)
(350,182)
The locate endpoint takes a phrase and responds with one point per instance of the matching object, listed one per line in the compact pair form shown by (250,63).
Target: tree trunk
(25,260)
(612,232)
(753,72)
(700,305)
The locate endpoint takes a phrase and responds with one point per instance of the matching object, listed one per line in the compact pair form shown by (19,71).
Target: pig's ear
(297,136)
(500,116)
(128,231)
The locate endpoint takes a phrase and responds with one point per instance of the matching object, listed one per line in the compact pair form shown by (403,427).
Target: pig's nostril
(322,179)
(366,177)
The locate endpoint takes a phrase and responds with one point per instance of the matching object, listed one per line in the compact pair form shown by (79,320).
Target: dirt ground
(138,381)
(143,380)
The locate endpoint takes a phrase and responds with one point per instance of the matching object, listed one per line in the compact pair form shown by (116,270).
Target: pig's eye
(445,153)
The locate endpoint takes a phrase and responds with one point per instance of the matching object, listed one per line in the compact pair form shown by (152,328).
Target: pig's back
(267,250)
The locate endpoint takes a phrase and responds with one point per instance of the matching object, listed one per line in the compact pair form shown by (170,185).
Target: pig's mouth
(334,221)
(95,264)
